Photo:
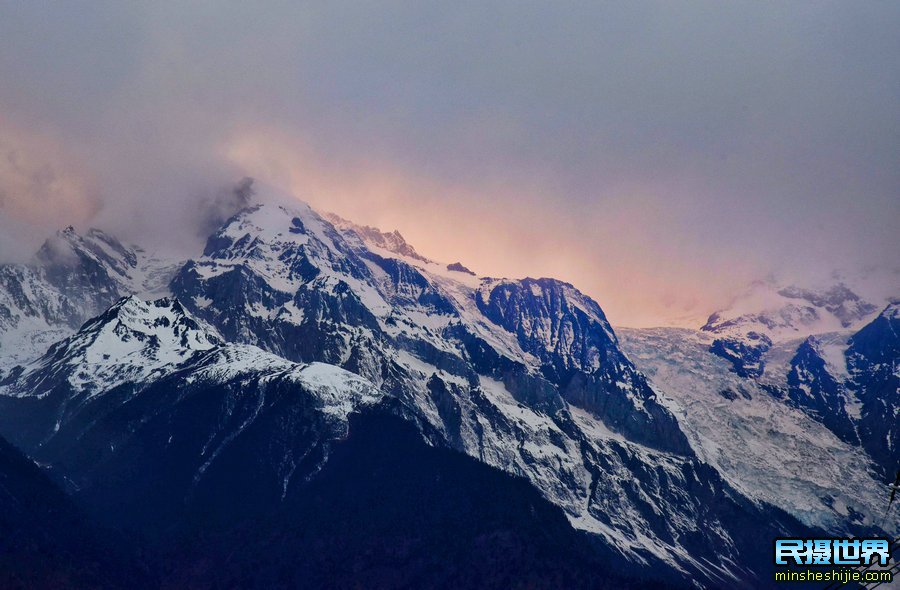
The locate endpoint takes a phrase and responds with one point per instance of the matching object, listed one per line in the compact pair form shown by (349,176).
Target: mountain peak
(892,311)
(129,341)
(786,311)
(67,251)
(392,241)
(256,225)
(458,267)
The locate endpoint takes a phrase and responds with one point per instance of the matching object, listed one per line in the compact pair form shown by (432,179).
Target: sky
(658,155)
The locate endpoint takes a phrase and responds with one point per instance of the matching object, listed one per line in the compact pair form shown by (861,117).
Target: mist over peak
(216,209)
(607,145)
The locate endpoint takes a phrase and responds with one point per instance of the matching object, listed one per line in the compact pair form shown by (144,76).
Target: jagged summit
(71,278)
(130,341)
(785,311)
(391,241)
(458,267)
(68,246)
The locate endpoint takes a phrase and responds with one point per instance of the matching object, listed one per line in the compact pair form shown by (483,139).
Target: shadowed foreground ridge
(46,541)
(389,511)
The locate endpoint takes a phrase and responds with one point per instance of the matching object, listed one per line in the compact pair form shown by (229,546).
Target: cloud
(40,183)
(658,154)
(215,210)
(39,180)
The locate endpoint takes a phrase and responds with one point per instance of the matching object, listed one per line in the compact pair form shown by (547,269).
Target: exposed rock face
(458,267)
(816,391)
(745,356)
(873,360)
(72,279)
(838,300)
(578,352)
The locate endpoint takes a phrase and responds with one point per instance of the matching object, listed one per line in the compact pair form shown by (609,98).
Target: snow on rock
(494,365)
(873,361)
(758,330)
(156,358)
(339,392)
(33,315)
(72,278)
(770,451)
(785,311)
(131,341)
(373,237)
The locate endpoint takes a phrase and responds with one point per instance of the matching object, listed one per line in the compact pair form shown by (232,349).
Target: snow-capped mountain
(773,315)
(72,278)
(248,373)
(761,445)
(782,311)
(132,341)
(221,433)
(156,356)
(798,343)
(488,363)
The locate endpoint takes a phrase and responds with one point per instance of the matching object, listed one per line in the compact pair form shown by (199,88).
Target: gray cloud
(215,210)
(663,152)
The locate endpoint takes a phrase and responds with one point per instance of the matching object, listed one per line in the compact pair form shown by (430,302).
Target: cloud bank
(658,155)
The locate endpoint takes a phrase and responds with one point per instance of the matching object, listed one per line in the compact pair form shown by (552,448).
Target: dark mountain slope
(46,541)
(389,511)
(874,362)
